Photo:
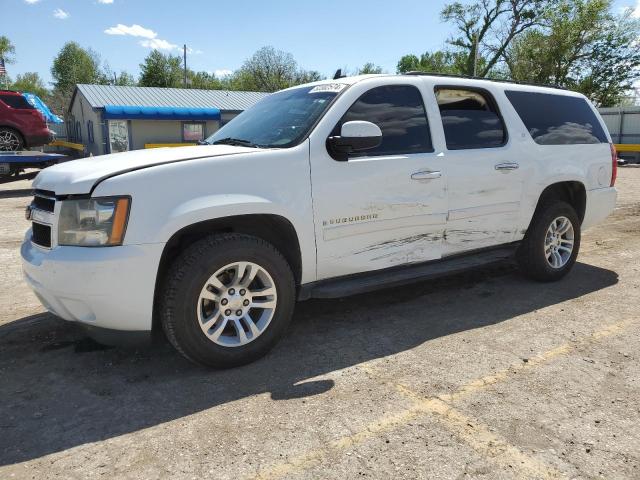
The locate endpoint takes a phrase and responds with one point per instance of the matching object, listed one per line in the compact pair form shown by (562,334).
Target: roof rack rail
(498,80)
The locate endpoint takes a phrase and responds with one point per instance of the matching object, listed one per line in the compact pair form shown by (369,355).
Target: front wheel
(551,244)
(227,300)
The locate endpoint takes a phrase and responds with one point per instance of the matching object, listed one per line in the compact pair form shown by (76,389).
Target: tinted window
(557,119)
(16,101)
(470,119)
(400,114)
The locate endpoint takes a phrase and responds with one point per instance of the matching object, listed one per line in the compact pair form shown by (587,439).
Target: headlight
(93,222)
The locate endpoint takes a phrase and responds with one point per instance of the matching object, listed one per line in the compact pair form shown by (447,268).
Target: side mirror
(354,136)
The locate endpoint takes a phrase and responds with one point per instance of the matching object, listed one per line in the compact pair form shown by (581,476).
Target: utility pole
(475,55)
(185,67)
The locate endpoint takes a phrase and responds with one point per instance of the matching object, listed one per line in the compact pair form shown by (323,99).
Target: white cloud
(158,44)
(134,30)
(61,14)
(106,2)
(31,2)
(152,41)
(636,10)
(191,51)
(222,72)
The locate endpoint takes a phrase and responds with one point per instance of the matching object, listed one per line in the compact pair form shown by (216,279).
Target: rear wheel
(10,140)
(551,244)
(227,300)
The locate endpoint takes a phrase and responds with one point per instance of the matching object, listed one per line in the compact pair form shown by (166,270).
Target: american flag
(3,70)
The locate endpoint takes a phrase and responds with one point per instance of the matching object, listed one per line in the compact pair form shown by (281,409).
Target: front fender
(210,207)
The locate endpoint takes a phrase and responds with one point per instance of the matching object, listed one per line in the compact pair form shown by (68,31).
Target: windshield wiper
(235,141)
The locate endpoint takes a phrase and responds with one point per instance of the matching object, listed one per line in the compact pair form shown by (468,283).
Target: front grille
(41,235)
(44,200)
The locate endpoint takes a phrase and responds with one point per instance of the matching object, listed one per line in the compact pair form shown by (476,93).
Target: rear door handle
(426,175)
(507,166)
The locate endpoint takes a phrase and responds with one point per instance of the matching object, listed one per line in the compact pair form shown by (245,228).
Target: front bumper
(105,287)
(601,203)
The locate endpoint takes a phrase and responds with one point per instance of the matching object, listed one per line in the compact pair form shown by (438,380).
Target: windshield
(280,120)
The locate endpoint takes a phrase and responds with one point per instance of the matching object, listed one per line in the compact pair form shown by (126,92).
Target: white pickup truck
(323,190)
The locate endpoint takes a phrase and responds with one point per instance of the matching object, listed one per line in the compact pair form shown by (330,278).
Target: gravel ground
(483,375)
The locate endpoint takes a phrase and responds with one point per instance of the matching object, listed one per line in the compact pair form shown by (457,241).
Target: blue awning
(121,112)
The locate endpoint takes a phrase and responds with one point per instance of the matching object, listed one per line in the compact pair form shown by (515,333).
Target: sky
(322,36)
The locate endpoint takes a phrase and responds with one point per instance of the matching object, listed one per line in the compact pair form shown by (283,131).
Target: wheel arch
(273,228)
(571,191)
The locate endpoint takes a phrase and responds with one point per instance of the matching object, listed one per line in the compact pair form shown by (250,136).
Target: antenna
(338,74)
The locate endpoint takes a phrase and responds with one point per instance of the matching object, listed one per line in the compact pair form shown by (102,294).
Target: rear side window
(557,119)
(399,112)
(470,119)
(16,101)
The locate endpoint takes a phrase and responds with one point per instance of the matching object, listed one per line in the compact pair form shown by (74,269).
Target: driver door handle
(426,175)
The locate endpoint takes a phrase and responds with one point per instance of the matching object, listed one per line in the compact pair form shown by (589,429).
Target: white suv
(322,190)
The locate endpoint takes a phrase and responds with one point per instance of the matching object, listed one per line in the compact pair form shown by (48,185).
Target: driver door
(385,206)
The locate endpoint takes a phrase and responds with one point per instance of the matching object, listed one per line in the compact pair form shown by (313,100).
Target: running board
(396,276)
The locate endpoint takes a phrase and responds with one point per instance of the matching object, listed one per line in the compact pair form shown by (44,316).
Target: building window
(79,132)
(90,132)
(192,132)
(118,136)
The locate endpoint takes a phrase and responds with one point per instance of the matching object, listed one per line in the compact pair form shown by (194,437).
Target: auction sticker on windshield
(329,87)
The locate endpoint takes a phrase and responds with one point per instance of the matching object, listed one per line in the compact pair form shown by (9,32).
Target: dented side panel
(369,212)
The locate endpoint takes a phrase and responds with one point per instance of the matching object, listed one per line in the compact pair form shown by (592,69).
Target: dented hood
(80,176)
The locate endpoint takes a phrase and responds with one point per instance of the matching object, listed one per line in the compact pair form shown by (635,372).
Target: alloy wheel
(558,244)
(9,141)
(237,304)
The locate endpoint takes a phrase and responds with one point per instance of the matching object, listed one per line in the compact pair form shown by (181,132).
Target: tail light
(614,164)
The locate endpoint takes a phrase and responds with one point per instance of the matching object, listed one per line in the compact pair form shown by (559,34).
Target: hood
(80,176)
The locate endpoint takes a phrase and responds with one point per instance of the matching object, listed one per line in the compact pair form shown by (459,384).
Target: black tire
(185,280)
(10,140)
(531,253)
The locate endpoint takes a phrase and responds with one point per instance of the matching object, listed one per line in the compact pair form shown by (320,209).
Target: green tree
(160,70)
(437,62)
(74,65)
(486,28)
(7,50)
(204,81)
(32,83)
(369,68)
(269,70)
(125,79)
(582,46)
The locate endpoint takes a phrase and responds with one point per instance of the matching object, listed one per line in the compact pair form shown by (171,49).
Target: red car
(21,125)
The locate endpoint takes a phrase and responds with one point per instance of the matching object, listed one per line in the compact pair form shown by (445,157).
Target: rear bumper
(601,203)
(109,287)
(39,138)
